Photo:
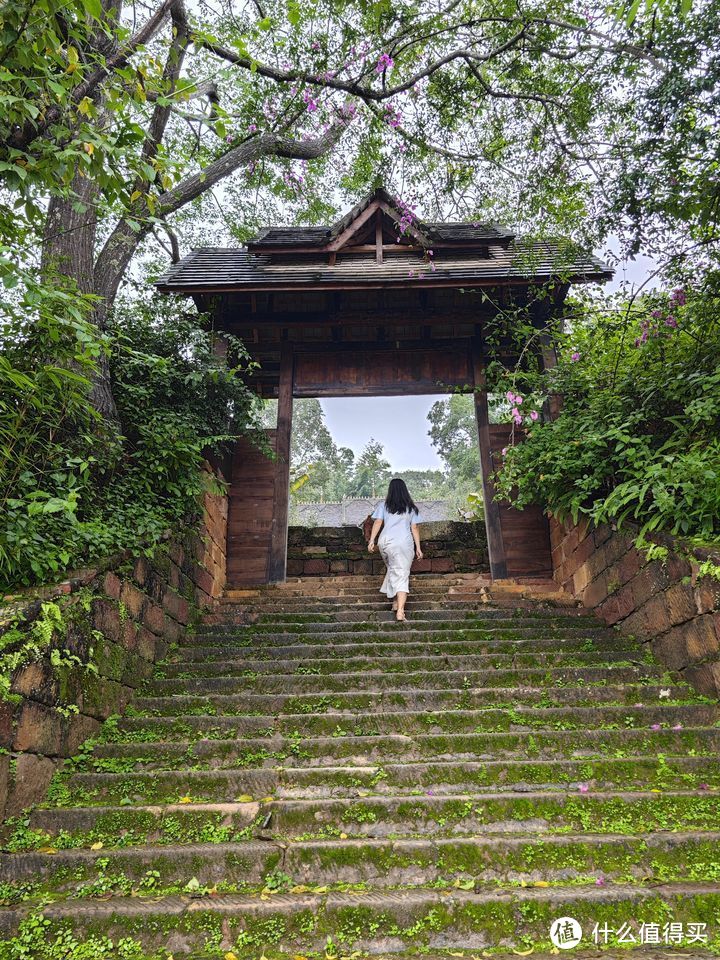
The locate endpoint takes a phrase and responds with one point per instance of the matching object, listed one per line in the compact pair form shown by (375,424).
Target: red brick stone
(628,565)
(580,580)
(680,601)
(676,568)
(707,595)
(36,681)
(7,718)
(643,586)
(172,630)
(701,637)
(601,534)
(176,606)
(705,678)
(584,550)
(338,566)
(154,618)
(176,553)
(39,729)
(294,567)
(141,569)
(318,567)
(608,610)
(112,585)
(421,566)
(442,565)
(132,599)
(657,615)
(32,778)
(625,602)
(356,566)
(595,592)
(76,730)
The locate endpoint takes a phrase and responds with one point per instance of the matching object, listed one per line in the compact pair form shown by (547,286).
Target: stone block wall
(448,547)
(664,601)
(118,620)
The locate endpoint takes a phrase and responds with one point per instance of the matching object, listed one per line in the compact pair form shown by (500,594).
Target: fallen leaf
(230,956)
(540,883)
(343,836)
(300,889)
(319,889)
(524,953)
(244,798)
(299,956)
(267,799)
(185,800)
(47,849)
(97,846)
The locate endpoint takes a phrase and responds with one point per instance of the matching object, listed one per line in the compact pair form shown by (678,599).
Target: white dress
(397,548)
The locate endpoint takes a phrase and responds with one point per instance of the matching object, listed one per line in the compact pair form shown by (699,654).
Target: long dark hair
(398,499)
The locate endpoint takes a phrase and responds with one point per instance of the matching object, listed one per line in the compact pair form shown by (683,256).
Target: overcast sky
(400,423)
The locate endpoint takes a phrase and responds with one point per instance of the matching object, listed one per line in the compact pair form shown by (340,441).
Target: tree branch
(22,139)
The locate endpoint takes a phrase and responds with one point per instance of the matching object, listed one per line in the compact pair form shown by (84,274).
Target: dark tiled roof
(227,268)
(469,233)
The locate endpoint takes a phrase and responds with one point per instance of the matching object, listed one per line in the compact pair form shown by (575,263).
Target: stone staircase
(305,777)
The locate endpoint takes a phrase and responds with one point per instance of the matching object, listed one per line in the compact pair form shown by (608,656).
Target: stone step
(391,700)
(375,863)
(461,642)
(389,630)
(401,663)
(602,718)
(374,921)
(540,813)
(383,614)
(562,774)
(447,679)
(402,748)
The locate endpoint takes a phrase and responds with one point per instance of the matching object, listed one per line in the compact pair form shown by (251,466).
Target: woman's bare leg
(394,604)
(401,598)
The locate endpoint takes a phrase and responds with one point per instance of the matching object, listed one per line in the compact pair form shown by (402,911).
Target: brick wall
(664,601)
(448,547)
(120,618)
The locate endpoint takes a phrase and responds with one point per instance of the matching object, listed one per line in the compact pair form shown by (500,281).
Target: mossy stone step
(407,698)
(537,812)
(379,864)
(359,620)
(403,663)
(387,921)
(450,776)
(520,718)
(447,679)
(466,641)
(361,750)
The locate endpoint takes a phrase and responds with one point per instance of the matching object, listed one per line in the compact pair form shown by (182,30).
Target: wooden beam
(352,228)
(496,545)
(277,561)
(378,236)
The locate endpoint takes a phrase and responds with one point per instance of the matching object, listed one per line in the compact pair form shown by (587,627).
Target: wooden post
(496,546)
(277,561)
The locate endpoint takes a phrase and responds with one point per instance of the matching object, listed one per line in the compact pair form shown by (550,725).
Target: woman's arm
(373,535)
(415,530)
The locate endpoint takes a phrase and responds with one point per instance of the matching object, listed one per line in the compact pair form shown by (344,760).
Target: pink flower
(504,451)
(312,106)
(510,396)
(679,297)
(575,357)
(703,786)
(583,788)
(678,726)
(656,315)
(670,322)
(534,414)
(252,128)
(655,726)
(518,399)
(385,62)
(229,138)
(600,882)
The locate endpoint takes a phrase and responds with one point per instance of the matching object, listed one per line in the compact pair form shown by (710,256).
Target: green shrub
(72,492)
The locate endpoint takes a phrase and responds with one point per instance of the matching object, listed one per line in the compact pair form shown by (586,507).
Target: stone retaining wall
(119,619)
(664,601)
(448,547)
